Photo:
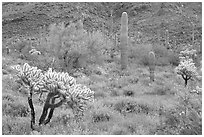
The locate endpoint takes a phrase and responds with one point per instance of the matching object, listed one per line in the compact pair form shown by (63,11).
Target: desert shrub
(144,60)
(7,97)
(161,54)
(130,105)
(140,53)
(185,118)
(135,124)
(15,125)
(173,58)
(62,119)
(8,83)
(177,123)
(15,109)
(56,130)
(160,51)
(162,61)
(17,44)
(76,46)
(118,82)
(101,117)
(161,90)
(101,113)
(65,123)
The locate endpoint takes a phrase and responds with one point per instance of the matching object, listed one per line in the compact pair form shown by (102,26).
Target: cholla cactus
(187,53)
(32,79)
(80,96)
(30,76)
(186,69)
(57,85)
(151,65)
(58,80)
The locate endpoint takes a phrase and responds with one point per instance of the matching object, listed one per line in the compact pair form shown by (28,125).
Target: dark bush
(128,93)
(125,107)
(144,60)
(100,117)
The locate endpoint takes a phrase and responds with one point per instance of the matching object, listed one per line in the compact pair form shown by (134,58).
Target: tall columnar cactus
(124,40)
(151,65)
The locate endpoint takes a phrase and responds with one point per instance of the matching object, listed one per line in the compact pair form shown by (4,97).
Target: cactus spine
(124,40)
(151,65)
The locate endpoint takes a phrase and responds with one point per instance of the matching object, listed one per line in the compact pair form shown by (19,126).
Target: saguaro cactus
(124,40)
(151,65)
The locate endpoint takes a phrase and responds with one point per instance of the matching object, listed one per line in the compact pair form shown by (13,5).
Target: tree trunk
(45,109)
(186,82)
(50,107)
(51,112)
(30,102)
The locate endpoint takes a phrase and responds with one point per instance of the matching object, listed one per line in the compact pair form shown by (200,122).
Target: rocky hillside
(145,19)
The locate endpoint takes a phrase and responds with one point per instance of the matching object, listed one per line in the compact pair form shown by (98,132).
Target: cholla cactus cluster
(50,80)
(56,84)
(187,68)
